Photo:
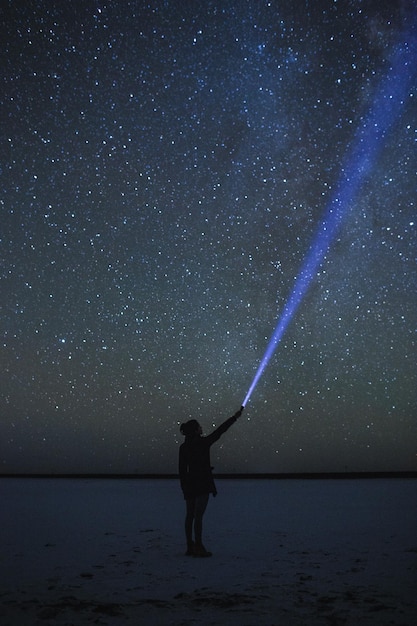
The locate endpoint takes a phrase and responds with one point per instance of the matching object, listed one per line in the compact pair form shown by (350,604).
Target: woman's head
(190,428)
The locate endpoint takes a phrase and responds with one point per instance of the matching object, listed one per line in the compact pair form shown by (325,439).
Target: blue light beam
(390,97)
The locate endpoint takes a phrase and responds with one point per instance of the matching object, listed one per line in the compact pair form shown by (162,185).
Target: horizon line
(237,475)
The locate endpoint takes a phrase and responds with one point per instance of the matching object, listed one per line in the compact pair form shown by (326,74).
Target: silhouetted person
(197,479)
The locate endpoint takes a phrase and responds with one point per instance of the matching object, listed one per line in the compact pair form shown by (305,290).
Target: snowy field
(285,552)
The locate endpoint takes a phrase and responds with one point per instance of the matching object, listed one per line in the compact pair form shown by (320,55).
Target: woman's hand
(239,413)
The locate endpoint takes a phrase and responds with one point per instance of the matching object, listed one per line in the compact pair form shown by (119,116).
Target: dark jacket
(194,462)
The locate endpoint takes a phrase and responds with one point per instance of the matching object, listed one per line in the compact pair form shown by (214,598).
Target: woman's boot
(199,550)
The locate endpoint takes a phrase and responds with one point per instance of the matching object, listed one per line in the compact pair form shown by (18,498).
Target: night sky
(164,169)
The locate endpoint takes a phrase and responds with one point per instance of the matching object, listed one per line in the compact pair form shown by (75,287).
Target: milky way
(164,169)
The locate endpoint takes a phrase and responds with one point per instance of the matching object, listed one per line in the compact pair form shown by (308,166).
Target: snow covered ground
(285,552)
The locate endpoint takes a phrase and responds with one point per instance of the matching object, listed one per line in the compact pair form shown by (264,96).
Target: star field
(164,169)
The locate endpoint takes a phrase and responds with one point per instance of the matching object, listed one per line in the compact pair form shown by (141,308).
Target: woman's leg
(199,509)
(189,519)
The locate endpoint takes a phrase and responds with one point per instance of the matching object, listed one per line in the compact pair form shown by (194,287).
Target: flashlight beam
(389,99)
